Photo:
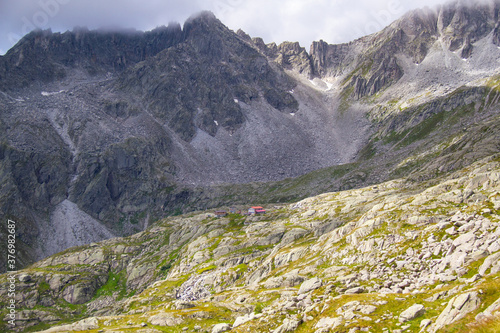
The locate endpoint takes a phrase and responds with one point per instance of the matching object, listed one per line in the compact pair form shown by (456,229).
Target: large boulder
(289,325)
(456,309)
(310,285)
(219,328)
(411,313)
(165,319)
(79,293)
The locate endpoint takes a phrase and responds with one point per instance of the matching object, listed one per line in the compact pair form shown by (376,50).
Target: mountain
(377,161)
(399,255)
(136,126)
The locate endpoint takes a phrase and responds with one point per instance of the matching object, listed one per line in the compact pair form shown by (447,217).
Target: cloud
(334,21)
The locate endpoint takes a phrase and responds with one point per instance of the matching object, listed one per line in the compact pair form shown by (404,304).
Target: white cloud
(334,21)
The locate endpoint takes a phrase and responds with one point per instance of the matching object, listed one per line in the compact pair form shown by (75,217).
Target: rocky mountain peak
(457,25)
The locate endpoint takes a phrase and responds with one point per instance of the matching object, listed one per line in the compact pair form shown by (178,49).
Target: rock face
(139,125)
(412,36)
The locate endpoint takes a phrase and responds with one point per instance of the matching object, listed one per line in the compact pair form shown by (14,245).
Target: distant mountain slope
(396,255)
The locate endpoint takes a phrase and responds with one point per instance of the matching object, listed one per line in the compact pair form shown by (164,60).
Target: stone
(411,313)
(355,290)
(494,247)
(425,323)
(490,311)
(464,239)
(488,262)
(79,293)
(289,325)
(182,305)
(457,308)
(86,324)
(243,319)
(165,319)
(329,323)
(24,278)
(367,309)
(451,231)
(310,285)
(219,328)
(309,213)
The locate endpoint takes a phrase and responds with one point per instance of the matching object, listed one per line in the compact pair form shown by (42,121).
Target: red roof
(257,207)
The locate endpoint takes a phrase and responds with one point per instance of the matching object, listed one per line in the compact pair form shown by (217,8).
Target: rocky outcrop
(456,309)
(245,272)
(412,36)
(219,328)
(171,123)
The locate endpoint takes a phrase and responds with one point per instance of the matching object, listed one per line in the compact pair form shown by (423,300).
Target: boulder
(86,324)
(309,213)
(425,323)
(219,328)
(329,323)
(490,311)
(182,305)
(456,309)
(411,313)
(24,278)
(310,285)
(79,293)
(243,319)
(165,319)
(355,290)
(367,309)
(488,262)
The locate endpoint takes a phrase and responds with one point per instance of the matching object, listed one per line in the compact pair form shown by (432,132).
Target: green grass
(116,284)
(206,269)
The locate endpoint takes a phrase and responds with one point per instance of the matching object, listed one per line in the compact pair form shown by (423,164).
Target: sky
(305,21)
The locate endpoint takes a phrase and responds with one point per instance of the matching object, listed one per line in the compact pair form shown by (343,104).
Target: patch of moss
(206,269)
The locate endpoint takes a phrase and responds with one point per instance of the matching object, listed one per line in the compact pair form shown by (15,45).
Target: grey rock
(219,328)
(289,325)
(425,323)
(411,313)
(310,285)
(355,290)
(165,319)
(456,309)
(25,278)
(79,293)
(488,262)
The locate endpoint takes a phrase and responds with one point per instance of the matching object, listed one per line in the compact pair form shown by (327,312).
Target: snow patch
(236,101)
(45,93)
(320,84)
(216,123)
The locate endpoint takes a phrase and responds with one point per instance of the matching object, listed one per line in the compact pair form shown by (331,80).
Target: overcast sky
(334,21)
